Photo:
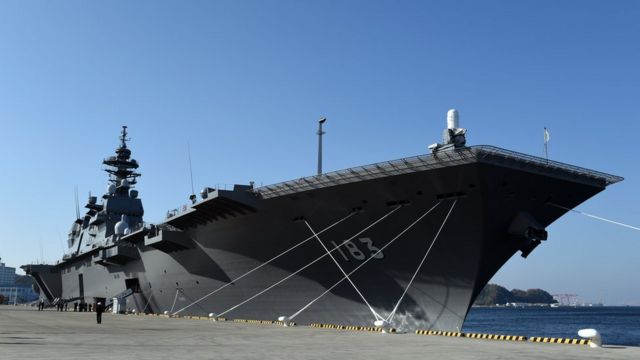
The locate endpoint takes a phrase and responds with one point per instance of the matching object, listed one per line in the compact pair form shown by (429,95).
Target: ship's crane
(566,299)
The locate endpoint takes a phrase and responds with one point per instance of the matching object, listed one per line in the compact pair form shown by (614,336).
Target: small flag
(546,140)
(546,135)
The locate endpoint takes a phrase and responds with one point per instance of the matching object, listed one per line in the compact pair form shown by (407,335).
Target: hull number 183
(361,249)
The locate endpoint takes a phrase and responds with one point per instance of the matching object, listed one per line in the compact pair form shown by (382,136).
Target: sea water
(617,325)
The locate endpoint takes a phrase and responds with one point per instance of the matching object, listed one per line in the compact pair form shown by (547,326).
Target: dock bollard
(382,325)
(593,335)
(284,320)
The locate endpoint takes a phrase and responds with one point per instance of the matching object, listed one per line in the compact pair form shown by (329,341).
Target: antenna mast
(123,137)
(192,197)
(77,204)
(320,133)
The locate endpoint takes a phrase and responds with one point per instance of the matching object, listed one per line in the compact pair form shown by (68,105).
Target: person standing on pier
(99,309)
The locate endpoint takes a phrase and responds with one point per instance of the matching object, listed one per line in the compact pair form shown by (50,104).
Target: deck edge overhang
(441,159)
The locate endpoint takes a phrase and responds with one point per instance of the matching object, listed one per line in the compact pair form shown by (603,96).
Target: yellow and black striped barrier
(440,333)
(559,340)
(264,322)
(495,337)
(350,327)
(190,317)
(505,337)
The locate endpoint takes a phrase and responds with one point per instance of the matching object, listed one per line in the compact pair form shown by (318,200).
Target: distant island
(496,295)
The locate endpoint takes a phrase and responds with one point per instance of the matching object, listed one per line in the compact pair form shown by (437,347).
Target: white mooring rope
(393,313)
(174,299)
(148,301)
(263,264)
(364,262)
(311,263)
(375,314)
(595,217)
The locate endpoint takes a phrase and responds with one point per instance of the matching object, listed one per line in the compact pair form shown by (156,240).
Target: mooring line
(393,313)
(595,217)
(373,256)
(174,299)
(375,314)
(309,264)
(264,263)
(148,301)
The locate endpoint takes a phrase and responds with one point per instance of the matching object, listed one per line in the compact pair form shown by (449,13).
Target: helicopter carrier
(406,243)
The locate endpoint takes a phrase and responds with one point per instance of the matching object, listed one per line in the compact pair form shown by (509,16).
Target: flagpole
(546,140)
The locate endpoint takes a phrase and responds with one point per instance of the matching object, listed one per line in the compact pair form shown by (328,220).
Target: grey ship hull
(498,197)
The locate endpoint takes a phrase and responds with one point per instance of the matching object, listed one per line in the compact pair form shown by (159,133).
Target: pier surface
(26,333)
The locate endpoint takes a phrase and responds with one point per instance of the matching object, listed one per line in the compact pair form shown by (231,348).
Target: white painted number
(356,253)
(353,249)
(375,252)
(335,246)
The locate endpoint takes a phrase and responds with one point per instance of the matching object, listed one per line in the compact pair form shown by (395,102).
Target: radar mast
(121,168)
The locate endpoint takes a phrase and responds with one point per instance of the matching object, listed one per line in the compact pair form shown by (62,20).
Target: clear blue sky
(244,83)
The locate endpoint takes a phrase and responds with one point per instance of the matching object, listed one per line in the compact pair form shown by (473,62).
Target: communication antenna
(320,133)
(77,204)
(41,252)
(192,197)
(123,137)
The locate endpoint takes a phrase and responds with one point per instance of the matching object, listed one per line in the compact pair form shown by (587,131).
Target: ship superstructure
(407,243)
(99,227)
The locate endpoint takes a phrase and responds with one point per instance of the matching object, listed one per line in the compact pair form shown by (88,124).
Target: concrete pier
(26,333)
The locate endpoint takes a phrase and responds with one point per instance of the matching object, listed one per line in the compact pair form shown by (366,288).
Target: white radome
(452,119)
